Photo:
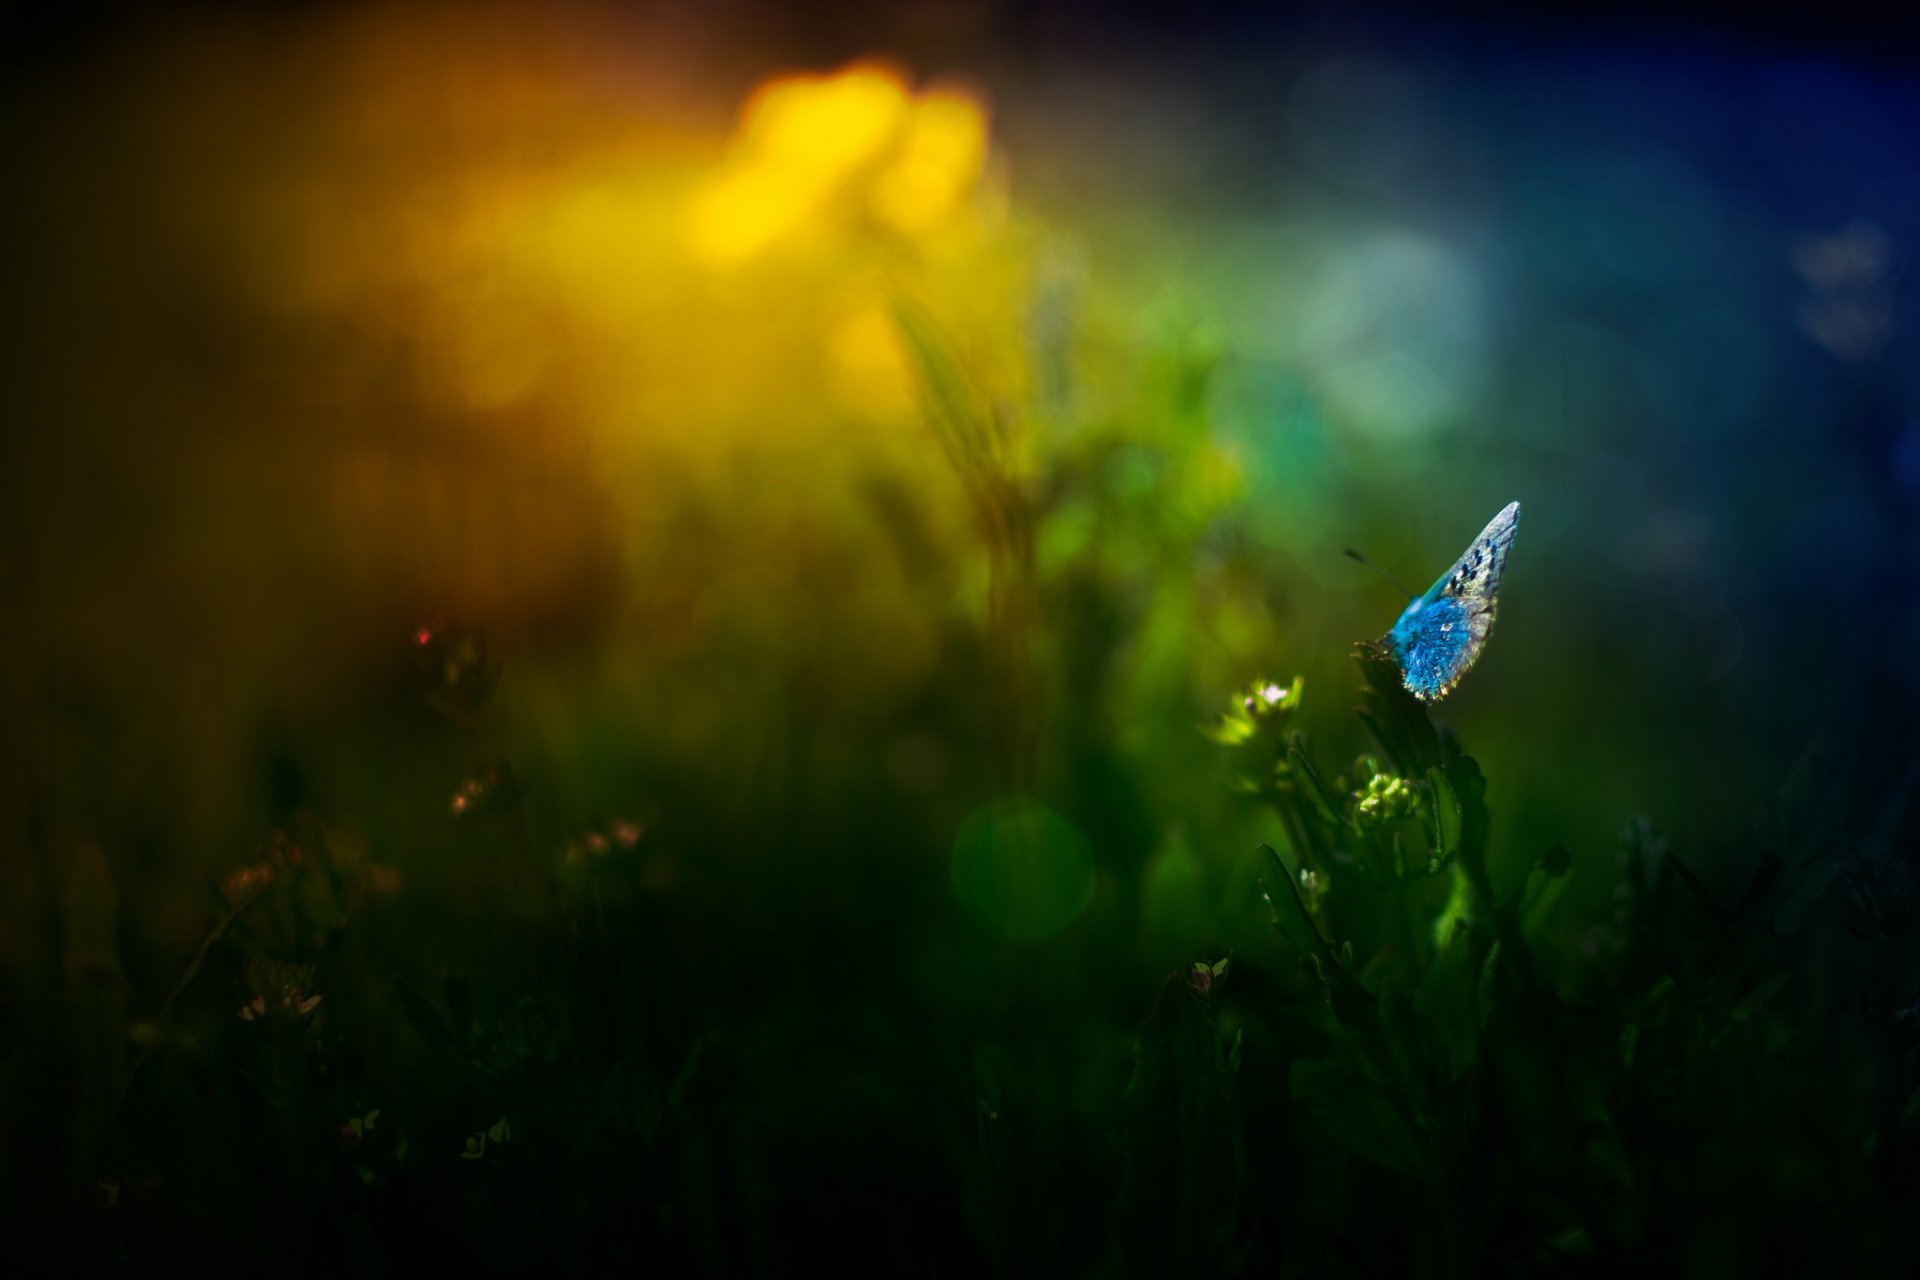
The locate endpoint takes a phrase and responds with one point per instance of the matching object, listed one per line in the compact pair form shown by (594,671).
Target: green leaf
(1397,721)
(1449,819)
(1489,976)
(1557,862)
(1809,885)
(1230,732)
(1410,1038)
(964,427)
(421,1014)
(1760,888)
(1350,1002)
(460,1005)
(1910,1113)
(1892,818)
(1308,779)
(1355,1114)
(1761,995)
(1447,995)
(1696,886)
(1457,915)
(632,1104)
(1178,1208)
(689,1066)
(1376,731)
(1543,888)
(1289,913)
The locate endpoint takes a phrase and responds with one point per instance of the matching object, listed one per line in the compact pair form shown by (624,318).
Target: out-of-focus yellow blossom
(814,153)
(941,156)
(825,124)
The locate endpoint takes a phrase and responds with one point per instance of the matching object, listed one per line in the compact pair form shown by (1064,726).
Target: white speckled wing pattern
(1428,641)
(1476,574)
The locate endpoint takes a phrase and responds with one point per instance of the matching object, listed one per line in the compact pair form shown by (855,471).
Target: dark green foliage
(1179,1208)
(758,1032)
(1419,1075)
(1728,1083)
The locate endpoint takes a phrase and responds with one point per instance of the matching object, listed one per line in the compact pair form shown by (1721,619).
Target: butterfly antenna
(1351,553)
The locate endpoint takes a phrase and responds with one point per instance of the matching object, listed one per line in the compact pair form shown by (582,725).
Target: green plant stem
(1324,948)
(207,944)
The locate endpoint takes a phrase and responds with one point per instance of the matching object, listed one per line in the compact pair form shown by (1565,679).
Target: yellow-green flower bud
(1384,799)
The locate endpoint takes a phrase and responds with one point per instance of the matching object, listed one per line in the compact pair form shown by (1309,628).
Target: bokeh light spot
(1852,328)
(1398,335)
(1021,870)
(1855,258)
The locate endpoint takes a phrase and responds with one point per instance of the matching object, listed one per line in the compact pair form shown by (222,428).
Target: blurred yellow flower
(825,124)
(809,146)
(746,209)
(942,153)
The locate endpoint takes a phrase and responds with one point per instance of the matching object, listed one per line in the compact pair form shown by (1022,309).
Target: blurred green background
(839,474)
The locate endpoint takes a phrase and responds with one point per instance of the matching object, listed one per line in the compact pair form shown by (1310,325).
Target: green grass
(1410,1077)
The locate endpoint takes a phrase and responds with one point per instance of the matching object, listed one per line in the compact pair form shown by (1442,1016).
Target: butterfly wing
(1442,632)
(1476,574)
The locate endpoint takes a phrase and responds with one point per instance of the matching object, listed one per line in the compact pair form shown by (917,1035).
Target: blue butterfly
(1443,631)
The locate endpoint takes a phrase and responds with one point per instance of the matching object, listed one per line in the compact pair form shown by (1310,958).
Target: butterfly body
(1441,633)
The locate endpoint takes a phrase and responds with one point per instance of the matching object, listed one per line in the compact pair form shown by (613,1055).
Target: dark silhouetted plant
(1711,1087)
